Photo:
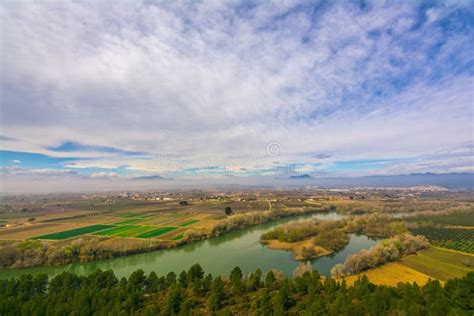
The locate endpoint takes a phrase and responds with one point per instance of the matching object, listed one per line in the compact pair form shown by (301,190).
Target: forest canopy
(194,292)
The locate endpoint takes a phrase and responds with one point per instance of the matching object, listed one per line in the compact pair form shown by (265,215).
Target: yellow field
(432,263)
(391,274)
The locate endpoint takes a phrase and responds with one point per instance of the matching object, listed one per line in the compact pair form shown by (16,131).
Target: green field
(74,232)
(115,230)
(452,238)
(130,221)
(135,231)
(177,237)
(189,222)
(440,264)
(459,219)
(157,232)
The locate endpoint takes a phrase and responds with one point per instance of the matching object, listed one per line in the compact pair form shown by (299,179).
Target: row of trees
(375,225)
(241,220)
(303,230)
(397,206)
(30,253)
(386,251)
(195,293)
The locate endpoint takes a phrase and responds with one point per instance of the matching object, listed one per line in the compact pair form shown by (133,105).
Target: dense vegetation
(331,235)
(452,238)
(294,232)
(194,293)
(385,251)
(332,240)
(375,225)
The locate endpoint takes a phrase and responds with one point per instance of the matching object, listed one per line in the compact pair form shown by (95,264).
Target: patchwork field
(135,231)
(121,224)
(187,223)
(157,232)
(115,230)
(130,221)
(432,263)
(73,232)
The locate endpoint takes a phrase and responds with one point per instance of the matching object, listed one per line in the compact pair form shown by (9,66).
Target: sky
(199,90)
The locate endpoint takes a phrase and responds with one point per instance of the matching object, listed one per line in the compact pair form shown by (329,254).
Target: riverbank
(217,255)
(89,248)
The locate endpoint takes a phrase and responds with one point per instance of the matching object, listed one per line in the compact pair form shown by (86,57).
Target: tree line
(194,292)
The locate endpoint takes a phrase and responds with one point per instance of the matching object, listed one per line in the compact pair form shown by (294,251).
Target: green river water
(217,255)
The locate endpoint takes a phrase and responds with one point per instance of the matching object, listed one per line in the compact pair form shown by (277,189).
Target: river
(217,255)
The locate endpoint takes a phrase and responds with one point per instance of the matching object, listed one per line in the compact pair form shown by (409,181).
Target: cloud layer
(182,87)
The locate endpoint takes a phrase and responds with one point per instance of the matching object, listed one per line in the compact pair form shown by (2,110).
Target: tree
(151,283)
(266,304)
(217,296)
(137,279)
(236,279)
(270,279)
(173,302)
(170,279)
(228,211)
(284,299)
(253,281)
(183,279)
(195,273)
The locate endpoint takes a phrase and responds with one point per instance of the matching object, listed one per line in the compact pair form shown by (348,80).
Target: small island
(308,239)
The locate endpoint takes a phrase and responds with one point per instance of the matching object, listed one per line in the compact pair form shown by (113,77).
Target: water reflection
(216,256)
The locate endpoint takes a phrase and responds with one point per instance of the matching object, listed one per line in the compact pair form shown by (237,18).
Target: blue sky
(116,90)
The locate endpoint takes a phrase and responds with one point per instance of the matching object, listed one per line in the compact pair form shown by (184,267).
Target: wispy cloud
(112,85)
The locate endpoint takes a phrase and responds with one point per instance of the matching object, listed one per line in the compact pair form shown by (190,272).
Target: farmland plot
(74,232)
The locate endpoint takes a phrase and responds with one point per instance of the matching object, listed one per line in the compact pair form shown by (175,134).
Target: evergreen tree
(151,283)
(183,279)
(173,302)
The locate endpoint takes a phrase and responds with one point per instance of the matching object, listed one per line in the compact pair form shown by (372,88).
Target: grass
(440,264)
(135,231)
(115,230)
(157,232)
(74,232)
(130,221)
(391,274)
(432,263)
(193,221)
(178,237)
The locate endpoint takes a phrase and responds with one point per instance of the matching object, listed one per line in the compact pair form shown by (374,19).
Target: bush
(386,251)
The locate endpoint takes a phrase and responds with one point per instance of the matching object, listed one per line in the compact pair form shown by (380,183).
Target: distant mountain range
(465,180)
(303,176)
(154,177)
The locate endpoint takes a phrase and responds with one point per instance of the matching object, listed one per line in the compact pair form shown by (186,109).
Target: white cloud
(204,82)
